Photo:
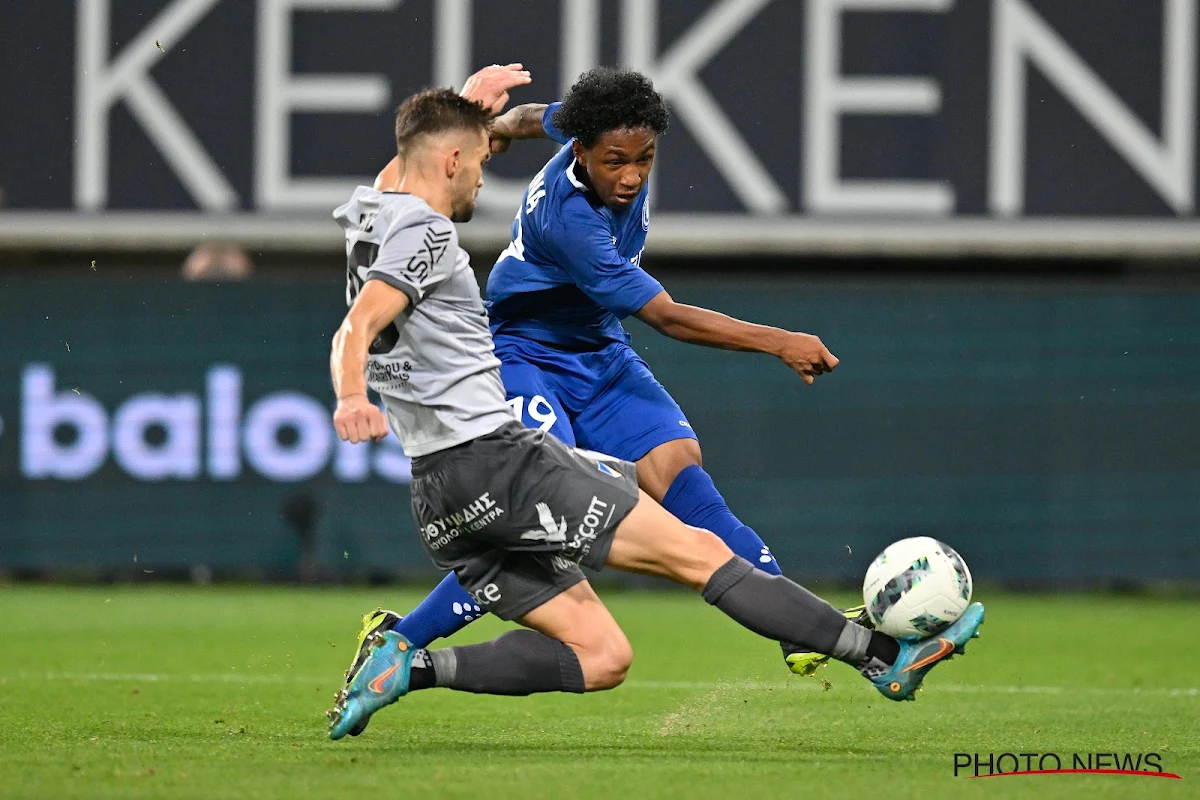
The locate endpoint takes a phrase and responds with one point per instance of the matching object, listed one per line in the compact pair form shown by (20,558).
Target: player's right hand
(807,355)
(490,85)
(357,420)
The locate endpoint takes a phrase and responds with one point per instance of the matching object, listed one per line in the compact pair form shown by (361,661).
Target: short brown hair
(434,111)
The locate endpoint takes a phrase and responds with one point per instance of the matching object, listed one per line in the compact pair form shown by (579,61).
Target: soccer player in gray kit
(511,510)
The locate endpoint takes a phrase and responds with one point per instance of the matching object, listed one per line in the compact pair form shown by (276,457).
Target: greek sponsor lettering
(482,512)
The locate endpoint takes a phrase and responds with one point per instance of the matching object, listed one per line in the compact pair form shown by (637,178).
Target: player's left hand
(490,85)
(807,355)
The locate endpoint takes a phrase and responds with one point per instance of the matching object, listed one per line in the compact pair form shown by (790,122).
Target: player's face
(618,164)
(469,178)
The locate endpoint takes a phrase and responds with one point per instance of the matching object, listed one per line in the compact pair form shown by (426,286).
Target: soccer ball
(916,587)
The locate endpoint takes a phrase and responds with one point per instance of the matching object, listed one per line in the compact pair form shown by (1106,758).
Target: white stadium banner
(1059,127)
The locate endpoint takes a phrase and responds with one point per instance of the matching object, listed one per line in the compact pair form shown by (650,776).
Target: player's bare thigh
(658,469)
(650,541)
(579,619)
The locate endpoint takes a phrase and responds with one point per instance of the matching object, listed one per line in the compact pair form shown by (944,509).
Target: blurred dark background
(985,210)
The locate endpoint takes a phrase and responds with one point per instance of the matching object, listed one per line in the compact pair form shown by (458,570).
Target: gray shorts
(514,513)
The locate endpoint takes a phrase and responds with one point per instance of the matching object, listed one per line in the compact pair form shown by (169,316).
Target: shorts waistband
(426,464)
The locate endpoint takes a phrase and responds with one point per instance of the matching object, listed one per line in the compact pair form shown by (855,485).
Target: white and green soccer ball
(916,587)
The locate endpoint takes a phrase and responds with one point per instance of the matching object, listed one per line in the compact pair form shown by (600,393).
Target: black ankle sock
(423,675)
(883,647)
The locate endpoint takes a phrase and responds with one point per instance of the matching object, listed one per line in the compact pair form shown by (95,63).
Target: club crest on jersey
(646,214)
(433,246)
(607,470)
(599,460)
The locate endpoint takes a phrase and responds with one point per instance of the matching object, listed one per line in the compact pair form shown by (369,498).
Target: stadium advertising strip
(190,423)
(917,126)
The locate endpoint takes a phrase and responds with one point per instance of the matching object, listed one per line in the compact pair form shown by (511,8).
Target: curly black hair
(607,99)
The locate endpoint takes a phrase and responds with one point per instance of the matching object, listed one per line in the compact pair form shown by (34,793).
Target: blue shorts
(604,400)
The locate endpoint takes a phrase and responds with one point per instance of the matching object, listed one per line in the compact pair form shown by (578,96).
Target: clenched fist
(357,420)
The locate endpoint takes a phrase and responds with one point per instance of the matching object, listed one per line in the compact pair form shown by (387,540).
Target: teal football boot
(381,680)
(377,621)
(918,656)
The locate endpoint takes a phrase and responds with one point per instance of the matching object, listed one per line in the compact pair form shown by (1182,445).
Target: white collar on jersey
(578,184)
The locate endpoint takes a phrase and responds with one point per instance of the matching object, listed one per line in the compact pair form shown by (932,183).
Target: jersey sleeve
(552,130)
(416,259)
(582,245)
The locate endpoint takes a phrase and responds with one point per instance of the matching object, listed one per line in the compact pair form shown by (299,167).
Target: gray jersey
(434,365)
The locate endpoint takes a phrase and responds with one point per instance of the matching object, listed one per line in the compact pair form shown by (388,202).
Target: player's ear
(453,162)
(580,152)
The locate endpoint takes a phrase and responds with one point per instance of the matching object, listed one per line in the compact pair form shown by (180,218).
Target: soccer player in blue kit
(556,297)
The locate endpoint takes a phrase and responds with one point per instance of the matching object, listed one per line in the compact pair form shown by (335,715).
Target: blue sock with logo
(694,499)
(444,611)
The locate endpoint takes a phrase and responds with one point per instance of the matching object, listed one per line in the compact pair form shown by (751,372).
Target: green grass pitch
(176,691)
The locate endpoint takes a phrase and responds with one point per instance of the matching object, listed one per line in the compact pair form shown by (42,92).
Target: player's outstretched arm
(377,305)
(583,246)
(803,352)
(519,122)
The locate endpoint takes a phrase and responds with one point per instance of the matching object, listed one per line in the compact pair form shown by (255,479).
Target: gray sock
(775,607)
(515,663)
(851,645)
(444,664)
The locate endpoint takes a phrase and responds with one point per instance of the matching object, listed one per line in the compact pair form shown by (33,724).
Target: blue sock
(444,611)
(694,499)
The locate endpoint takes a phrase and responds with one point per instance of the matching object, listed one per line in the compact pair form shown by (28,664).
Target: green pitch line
(219,692)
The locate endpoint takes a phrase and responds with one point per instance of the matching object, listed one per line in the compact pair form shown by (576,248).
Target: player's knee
(613,664)
(658,469)
(606,662)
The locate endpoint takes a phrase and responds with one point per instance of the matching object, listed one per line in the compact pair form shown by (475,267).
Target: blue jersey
(571,273)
